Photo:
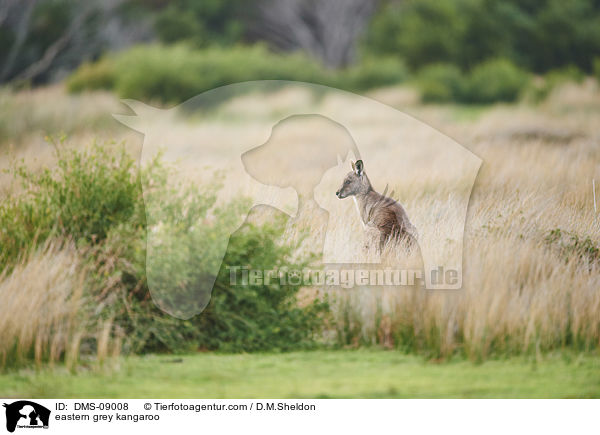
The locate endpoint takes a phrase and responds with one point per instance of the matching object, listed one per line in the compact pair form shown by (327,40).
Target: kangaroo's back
(391,220)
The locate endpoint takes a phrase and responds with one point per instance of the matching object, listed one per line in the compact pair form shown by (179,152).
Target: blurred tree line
(538,35)
(42,39)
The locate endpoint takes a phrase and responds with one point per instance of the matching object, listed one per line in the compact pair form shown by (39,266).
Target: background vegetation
(172,74)
(356,45)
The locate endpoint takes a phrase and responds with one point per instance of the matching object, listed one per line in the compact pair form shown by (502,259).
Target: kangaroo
(377,210)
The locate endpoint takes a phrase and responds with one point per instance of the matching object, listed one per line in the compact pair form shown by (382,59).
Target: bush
(176,73)
(259,317)
(173,74)
(85,196)
(440,83)
(493,81)
(99,75)
(373,72)
(95,199)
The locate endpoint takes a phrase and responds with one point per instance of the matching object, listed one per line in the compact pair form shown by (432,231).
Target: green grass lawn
(319,374)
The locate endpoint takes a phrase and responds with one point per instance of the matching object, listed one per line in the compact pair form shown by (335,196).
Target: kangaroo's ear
(358,167)
(353,167)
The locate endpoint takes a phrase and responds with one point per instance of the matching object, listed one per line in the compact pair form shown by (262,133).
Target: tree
(326,29)
(40,37)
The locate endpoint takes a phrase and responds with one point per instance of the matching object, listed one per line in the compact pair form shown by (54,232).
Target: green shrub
(176,73)
(82,199)
(244,317)
(95,198)
(440,83)
(497,80)
(238,318)
(373,72)
(98,75)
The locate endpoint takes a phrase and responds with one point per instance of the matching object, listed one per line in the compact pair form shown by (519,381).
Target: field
(529,308)
(334,374)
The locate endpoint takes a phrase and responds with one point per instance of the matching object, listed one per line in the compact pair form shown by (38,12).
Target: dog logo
(26,414)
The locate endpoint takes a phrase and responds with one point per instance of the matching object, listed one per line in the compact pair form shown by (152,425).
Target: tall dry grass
(45,314)
(531,256)
(524,290)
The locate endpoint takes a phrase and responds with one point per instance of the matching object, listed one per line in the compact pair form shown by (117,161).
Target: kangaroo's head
(355,183)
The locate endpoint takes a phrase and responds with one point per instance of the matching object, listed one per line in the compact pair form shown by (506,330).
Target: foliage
(97,75)
(440,83)
(200,23)
(95,198)
(538,36)
(422,32)
(372,72)
(261,316)
(82,198)
(176,73)
(496,80)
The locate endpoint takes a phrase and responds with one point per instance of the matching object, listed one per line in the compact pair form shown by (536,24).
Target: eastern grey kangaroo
(378,211)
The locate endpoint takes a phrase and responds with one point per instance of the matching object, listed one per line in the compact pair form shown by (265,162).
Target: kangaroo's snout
(341,194)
